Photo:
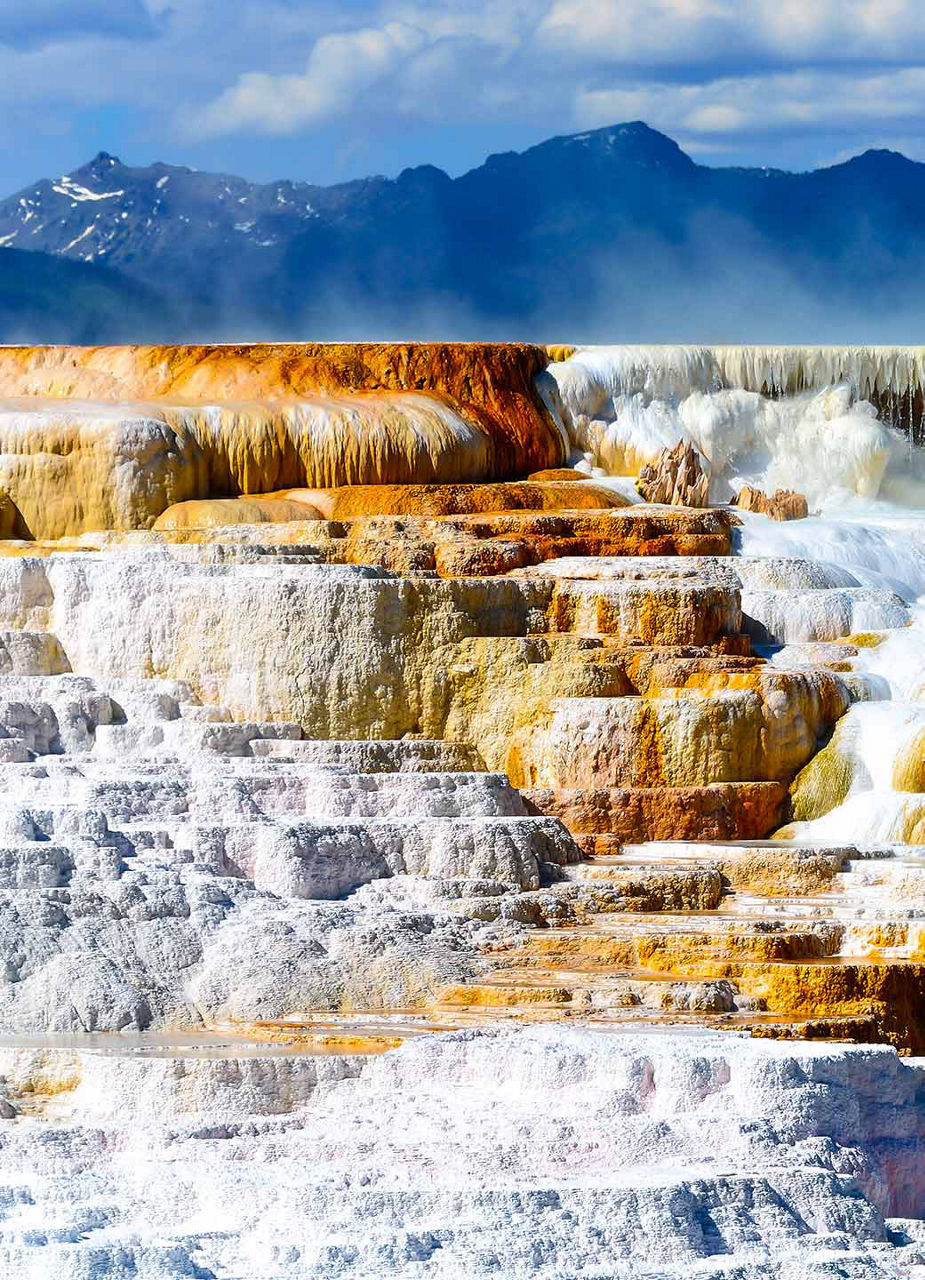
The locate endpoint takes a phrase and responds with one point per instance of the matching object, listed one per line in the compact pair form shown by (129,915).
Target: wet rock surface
(675,478)
(380,864)
(780,505)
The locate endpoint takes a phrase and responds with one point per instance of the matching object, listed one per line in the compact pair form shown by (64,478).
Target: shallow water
(865,483)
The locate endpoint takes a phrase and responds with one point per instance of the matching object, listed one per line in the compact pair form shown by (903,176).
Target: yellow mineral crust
(350,502)
(780,872)
(483,544)
(219,513)
(733,736)
(909,767)
(784,973)
(70,467)
(109,437)
(480,373)
(558,351)
(653,613)
(826,780)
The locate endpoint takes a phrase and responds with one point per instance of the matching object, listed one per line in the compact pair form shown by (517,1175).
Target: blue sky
(326,91)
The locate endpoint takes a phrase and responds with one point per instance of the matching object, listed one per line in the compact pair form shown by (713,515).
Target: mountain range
(614,234)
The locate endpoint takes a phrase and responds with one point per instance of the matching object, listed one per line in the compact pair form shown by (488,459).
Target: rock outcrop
(783,504)
(626,703)
(108,438)
(407,1162)
(676,477)
(352,502)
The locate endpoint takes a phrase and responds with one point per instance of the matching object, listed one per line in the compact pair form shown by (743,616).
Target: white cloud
(712,72)
(340,69)
(633,30)
(763,103)
(420,60)
(687,31)
(587,62)
(716,117)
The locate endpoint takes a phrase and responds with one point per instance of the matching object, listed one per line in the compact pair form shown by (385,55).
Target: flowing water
(881,741)
(812,420)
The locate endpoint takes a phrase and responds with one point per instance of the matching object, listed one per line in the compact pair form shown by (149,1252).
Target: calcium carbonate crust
(543,1152)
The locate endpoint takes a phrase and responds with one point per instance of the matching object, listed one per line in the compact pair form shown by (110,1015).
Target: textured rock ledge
(261,773)
(538,1153)
(108,438)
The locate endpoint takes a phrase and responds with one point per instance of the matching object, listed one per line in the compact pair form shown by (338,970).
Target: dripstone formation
(411,842)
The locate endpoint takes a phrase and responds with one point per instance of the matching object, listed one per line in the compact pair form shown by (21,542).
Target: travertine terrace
(420,856)
(109,437)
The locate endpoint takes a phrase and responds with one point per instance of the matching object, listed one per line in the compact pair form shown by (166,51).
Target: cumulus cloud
(707,68)
(784,101)
(687,31)
(655,31)
(737,78)
(340,69)
(418,58)
(37,22)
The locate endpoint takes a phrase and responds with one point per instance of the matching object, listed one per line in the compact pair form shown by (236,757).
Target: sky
(325,91)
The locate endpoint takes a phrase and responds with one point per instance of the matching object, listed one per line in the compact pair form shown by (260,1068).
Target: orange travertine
(492,383)
(98,438)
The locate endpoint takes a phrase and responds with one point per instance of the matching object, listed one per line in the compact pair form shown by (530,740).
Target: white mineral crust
(537,1152)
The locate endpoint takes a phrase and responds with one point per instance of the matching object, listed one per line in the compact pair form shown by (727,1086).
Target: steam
(621,406)
(714,279)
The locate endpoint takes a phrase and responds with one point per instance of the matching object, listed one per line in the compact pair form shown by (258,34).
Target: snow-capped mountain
(127,217)
(614,233)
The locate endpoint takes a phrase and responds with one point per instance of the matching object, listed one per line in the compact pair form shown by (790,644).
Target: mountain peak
(623,206)
(633,141)
(879,154)
(424,175)
(878,159)
(635,129)
(101,164)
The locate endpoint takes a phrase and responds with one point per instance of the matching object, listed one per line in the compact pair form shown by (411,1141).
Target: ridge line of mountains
(609,235)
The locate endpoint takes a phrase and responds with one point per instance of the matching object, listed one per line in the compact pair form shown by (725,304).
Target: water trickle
(840,425)
(832,423)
